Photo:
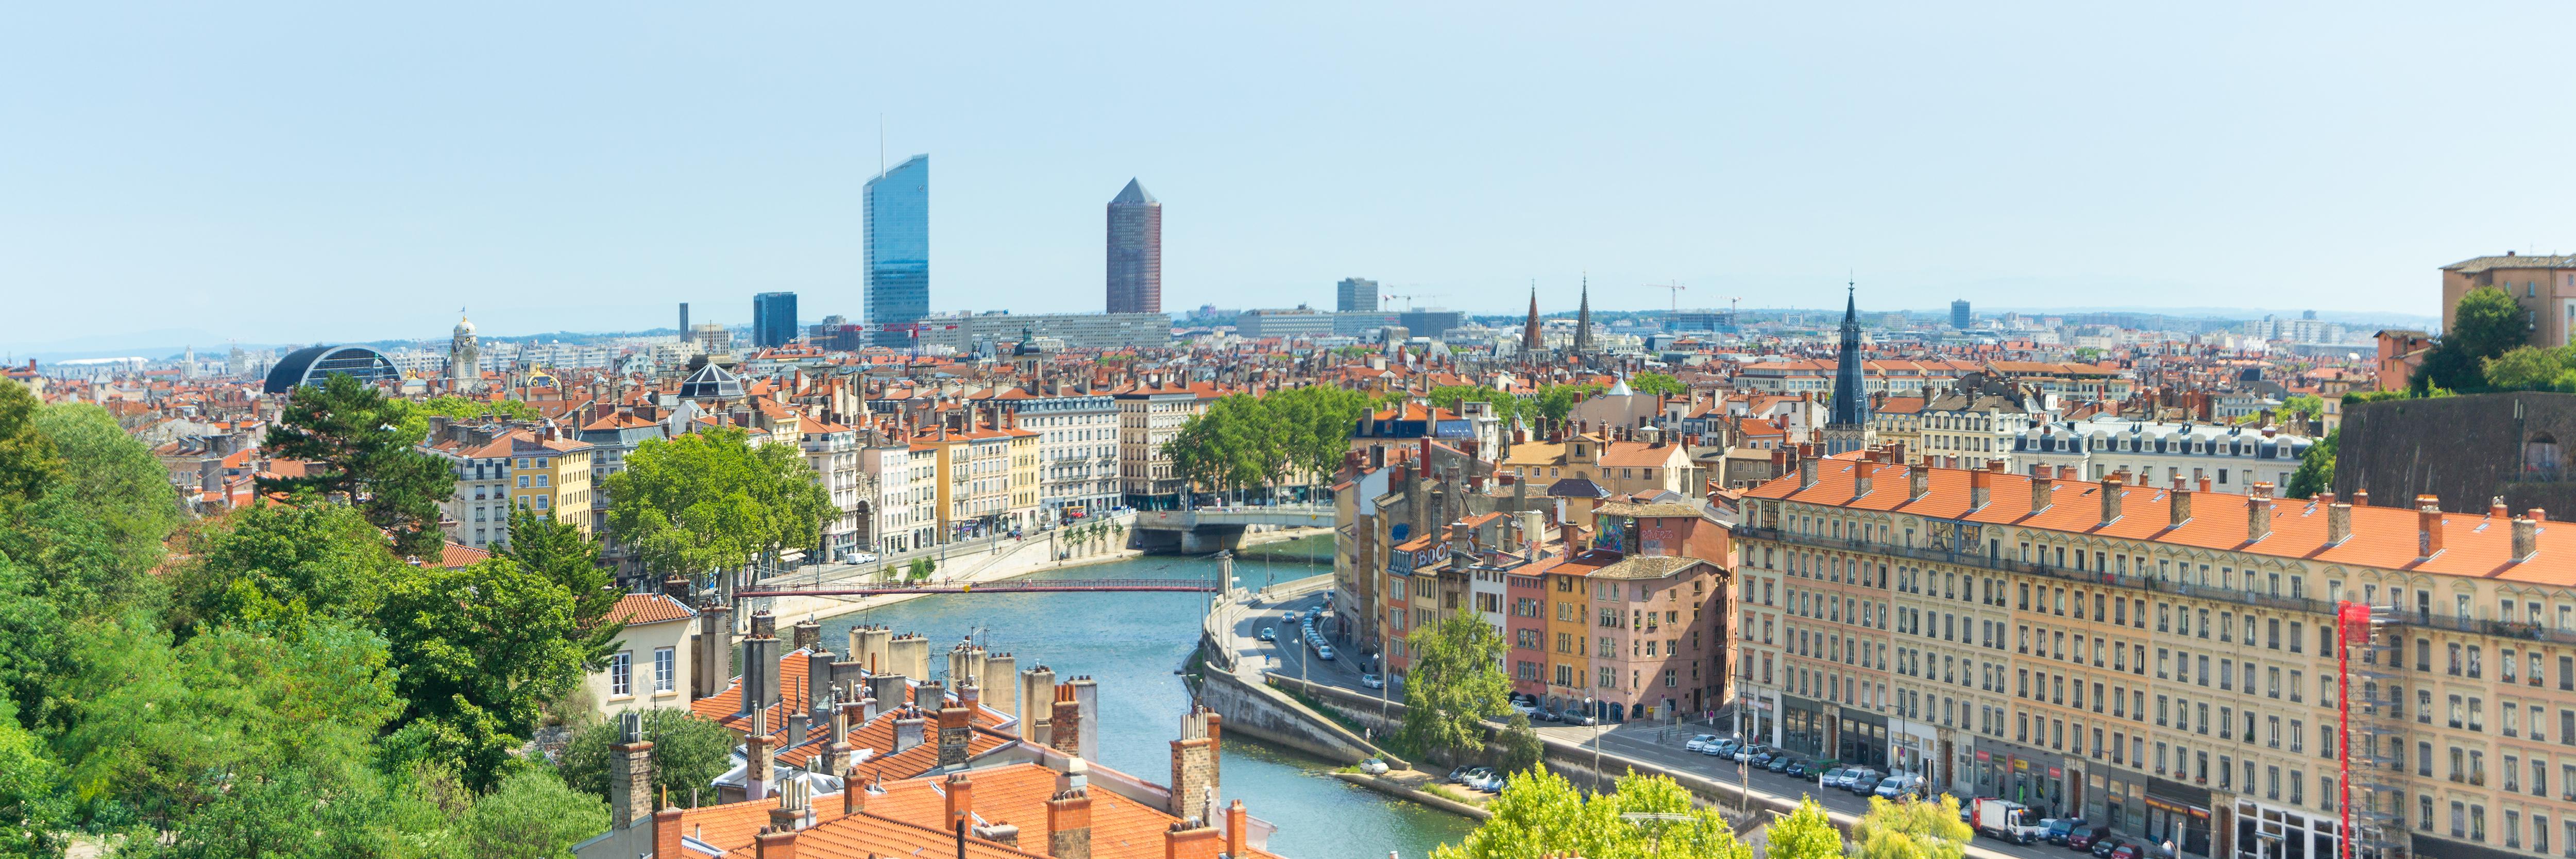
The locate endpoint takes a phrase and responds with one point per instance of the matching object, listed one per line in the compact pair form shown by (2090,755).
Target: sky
(297,173)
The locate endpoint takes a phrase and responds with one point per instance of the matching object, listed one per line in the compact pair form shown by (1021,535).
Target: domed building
(464,357)
(312,364)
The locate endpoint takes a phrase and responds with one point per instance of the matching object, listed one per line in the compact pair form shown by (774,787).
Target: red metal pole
(2343,707)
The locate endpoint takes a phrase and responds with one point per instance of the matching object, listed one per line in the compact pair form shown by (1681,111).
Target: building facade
(1077,451)
(2544,286)
(1355,295)
(1135,251)
(898,249)
(773,319)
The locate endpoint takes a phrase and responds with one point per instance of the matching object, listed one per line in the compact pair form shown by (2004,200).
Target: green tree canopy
(688,753)
(709,500)
(1540,814)
(1244,442)
(1455,682)
(1912,830)
(96,534)
(482,648)
(28,462)
(563,554)
(277,565)
(2316,468)
(2532,368)
(1657,383)
(2485,324)
(1805,834)
(469,408)
(532,815)
(2308,406)
(364,450)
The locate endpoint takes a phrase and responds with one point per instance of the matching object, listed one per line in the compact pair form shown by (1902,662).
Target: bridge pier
(1204,531)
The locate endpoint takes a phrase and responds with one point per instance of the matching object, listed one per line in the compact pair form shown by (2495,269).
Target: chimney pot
(2428,526)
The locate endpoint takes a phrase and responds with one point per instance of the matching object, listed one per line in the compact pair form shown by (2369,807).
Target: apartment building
(902,509)
(832,450)
(1148,417)
(2231,457)
(2164,660)
(531,469)
(1077,451)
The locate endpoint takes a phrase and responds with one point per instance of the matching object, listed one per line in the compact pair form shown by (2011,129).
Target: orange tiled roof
(638,609)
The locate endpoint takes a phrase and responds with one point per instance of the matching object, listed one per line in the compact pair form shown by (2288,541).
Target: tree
(2316,468)
(1456,681)
(482,648)
(363,449)
(1540,814)
(1661,384)
(1521,747)
(93,538)
(468,408)
(278,565)
(32,810)
(920,569)
(1912,830)
(688,753)
(28,461)
(1805,834)
(709,501)
(532,815)
(2532,368)
(562,553)
(2484,324)
(2307,406)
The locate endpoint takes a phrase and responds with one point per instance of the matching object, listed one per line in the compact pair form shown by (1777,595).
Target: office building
(684,319)
(1434,323)
(898,249)
(1300,321)
(773,319)
(1355,294)
(1077,330)
(1959,315)
(1135,251)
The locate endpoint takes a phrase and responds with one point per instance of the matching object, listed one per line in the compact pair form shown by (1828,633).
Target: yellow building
(1026,470)
(520,468)
(551,476)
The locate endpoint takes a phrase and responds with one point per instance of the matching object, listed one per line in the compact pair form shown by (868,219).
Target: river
(1131,643)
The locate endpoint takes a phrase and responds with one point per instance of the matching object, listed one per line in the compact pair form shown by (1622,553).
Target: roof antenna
(881,150)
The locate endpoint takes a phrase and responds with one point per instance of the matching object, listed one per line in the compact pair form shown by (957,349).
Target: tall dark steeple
(1530,340)
(1582,320)
(1848,427)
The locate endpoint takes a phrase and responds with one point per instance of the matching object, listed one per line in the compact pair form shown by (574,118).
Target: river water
(1131,643)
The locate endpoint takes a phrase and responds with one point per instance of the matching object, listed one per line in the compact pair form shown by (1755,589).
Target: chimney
(1064,731)
(1863,476)
(2428,526)
(1069,824)
(676,588)
(759,666)
(774,844)
(2361,498)
(2526,538)
(630,773)
(854,796)
(954,727)
(666,832)
(1806,473)
(797,728)
(2338,523)
(1918,482)
(961,801)
(2537,514)
(1000,674)
(1037,703)
(1235,822)
(760,766)
(790,813)
(1191,838)
(2111,492)
(907,730)
(1000,833)
(836,739)
(2496,508)
(808,634)
(1981,486)
(1193,766)
(711,652)
(888,690)
(1086,692)
(2258,512)
(2043,492)
(818,678)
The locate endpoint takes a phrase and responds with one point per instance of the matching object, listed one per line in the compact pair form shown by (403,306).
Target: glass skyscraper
(773,319)
(898,255)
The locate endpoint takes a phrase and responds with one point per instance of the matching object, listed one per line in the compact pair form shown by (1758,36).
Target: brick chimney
(2496,508)
(666,832)
(1235,823)
(2112,490)
(961,801)
(2428,526)
(1806,473)
(630,773)
(1918,482)
(2258,512)
(774,844)
(2043,492)
(791,811)
(2526,538)
(2179,509)
(1064,728)
(1193,766)
(1191,838)
(2361,498)
(1069,814)
(907,730)
(1981,487)
(1863,476)
(2338,523)
(955,725)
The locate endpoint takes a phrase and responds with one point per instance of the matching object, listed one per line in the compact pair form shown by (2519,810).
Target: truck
(2010,821)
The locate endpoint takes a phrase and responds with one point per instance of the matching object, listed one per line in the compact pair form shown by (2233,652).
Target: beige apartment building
(2545,287)
(2163,660)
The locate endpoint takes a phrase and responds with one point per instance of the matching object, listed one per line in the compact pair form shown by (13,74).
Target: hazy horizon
(320,172)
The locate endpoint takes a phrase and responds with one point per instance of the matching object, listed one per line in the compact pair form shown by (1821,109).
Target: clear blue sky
(349,171)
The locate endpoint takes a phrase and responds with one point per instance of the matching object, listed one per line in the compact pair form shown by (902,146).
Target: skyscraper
(1959,315)
(898,253)
(1847,426)
(1135,251)
(684,320)
(773,319)
(1355,294)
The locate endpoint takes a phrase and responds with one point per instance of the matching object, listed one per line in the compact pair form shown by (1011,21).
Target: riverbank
(1028,556)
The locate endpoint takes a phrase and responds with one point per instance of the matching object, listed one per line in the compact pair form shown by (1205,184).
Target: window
(665,669)
(621,674)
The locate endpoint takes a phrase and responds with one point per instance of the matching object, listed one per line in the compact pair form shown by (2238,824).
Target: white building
(832,450)
(2231,458)
(649,668)
(1077,449)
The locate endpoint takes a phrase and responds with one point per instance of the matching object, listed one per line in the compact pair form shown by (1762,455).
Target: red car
(2126,851)
(2083,840)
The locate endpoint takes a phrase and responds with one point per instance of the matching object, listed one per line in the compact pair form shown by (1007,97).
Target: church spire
(1848,425)
(1583,319)
(1530,341)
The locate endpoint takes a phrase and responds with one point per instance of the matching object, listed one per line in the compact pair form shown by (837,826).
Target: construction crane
(1408,299)
(1676,287)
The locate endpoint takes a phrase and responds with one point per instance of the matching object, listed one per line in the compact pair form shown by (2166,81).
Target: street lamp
(1596,743)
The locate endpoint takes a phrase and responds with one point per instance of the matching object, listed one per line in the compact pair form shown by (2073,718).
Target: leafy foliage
(2485,324)
(1521,747)
(2316,468)
(563,554)
(1245,442)
(2532,368)
(1456,681)
(1805,834)
(1540,814)
(482,648)
(1657,383)
(279,565)
(709,501)
(532,815)
(2308,406)
(28,462)
(468,408)
(688,752)
(364,450)
(1912,830)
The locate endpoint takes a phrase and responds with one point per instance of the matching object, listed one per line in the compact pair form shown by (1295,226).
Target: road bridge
(1209,529)
(1033,586)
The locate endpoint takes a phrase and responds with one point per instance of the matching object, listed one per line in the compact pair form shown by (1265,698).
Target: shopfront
(1758,717)
(2027,776)
(2178,813)
(2271,832)
(2116,798)
(1862,739)
(1802,725)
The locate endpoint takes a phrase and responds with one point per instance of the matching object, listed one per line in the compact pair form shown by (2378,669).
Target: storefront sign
(2054,772)
(2020,765)
(1984,756)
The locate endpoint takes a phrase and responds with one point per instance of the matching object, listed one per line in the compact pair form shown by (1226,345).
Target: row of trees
(711,500)
(1541,814)
(1243,442)
(287,683)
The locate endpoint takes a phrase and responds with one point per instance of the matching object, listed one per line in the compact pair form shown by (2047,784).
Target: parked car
(1780,763)
(2103,846)
(1324,652)
(1373,766)
(2056,830)
(1830,777)
(2127,851)
(1762,760)
(1585,719)
(1854,777)
(2083,839)
(1268,634)
(1723,748)
(1529,710)
(1700,742)
(1371,681)
(1865,785)
(1801,769)
(1900,785)
(1458,775)
(1744,753)
(1477,778)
